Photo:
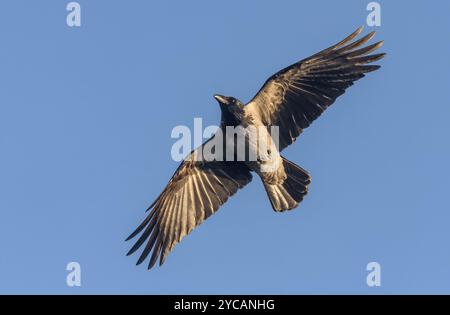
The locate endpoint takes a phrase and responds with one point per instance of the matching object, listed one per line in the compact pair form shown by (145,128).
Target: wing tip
(358,30)
(129,237)
(141,260)
(379,44)
(370,35)
(371,68)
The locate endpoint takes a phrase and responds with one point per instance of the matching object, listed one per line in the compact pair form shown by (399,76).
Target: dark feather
(195,192)
(297,95)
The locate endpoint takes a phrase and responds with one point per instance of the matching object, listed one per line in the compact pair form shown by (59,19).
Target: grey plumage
(290,99)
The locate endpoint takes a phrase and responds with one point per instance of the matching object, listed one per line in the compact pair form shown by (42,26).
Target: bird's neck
(232,115)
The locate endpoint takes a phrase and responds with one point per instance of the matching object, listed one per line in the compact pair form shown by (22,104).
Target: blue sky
(85,121)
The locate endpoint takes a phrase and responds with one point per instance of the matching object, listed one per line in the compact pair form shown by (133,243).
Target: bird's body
(288,102)
(260,146)
(246,134)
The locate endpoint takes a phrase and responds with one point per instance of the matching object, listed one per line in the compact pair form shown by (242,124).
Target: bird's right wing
(196,191)
(295,96)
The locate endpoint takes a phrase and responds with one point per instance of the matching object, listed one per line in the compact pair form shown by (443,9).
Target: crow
(290,100)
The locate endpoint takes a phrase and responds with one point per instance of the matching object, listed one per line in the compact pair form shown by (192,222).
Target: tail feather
(287,195)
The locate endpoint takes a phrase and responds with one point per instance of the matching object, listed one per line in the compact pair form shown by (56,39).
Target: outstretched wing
(295,96)
(196,191)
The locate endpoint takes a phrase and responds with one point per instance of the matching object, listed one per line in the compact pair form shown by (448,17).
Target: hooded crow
(290,100)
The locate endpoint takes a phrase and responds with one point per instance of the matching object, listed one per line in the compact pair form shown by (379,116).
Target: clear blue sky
(85,122)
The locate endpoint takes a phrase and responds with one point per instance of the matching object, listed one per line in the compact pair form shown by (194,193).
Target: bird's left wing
(196,191)
(295,96)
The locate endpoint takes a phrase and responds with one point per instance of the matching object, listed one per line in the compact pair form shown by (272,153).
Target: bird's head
(232,109)
(225,101)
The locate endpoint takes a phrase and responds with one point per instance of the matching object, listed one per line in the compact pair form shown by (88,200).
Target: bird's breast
(254,145)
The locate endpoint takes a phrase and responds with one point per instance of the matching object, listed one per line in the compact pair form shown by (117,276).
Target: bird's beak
(220,98)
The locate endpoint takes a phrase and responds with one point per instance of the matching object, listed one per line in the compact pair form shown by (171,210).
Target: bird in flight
(291,100)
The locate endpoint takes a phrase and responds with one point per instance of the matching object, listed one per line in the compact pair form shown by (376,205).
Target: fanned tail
(287,195)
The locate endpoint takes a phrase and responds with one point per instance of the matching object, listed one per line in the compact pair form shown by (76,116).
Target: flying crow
(290,100)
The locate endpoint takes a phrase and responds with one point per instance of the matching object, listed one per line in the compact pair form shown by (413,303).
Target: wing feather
(297,95)
(195,192)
